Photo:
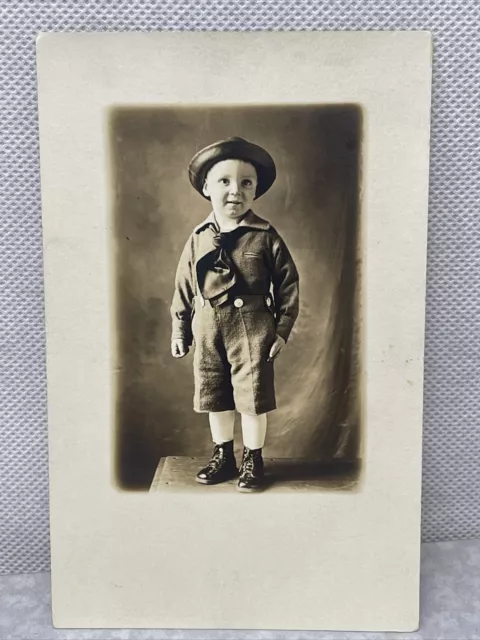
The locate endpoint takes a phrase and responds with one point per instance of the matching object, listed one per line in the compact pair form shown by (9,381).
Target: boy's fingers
(275,350)
(181,350)
(177,350)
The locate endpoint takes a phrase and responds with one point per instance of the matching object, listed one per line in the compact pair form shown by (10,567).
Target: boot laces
(217,460)
(249,462)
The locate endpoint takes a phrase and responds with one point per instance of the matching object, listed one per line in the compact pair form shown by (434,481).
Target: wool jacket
(263,265)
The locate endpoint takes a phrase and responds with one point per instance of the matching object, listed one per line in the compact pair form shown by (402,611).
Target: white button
(269,302)
(238,302)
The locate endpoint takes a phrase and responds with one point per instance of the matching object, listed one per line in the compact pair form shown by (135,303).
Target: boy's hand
(276,347)
(179,348)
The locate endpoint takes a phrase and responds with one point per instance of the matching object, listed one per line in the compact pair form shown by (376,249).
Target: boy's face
(231,186)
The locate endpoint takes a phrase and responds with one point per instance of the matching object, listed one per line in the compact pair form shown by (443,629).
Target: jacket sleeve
(183,297)
(285,282)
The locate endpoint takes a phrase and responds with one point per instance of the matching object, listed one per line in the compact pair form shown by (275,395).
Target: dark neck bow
(216,270)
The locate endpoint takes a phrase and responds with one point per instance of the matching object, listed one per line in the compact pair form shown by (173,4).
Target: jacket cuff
(284,327)
(182,332)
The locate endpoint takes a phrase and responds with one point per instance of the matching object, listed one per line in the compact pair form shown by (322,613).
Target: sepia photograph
(235,233)
(237,284)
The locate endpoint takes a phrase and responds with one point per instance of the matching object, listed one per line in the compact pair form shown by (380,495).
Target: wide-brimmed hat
(233,148)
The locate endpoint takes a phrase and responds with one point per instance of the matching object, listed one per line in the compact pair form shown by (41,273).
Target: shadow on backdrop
(315,206)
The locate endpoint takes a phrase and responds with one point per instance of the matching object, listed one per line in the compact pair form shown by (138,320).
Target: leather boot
(251,470)
(222,466)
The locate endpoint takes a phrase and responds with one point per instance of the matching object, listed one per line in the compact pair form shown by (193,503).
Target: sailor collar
(251,220)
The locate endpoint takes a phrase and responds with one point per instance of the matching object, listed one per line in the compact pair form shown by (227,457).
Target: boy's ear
(205,189)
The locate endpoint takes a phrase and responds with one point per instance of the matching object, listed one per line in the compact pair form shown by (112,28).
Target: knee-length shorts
(230,362)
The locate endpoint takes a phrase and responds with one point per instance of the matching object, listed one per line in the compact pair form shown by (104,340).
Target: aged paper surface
(277,560)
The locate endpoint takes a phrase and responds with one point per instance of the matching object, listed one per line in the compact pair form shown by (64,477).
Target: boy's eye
(247,183)
(224,180)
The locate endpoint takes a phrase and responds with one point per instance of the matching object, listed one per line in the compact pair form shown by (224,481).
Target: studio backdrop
(314,206)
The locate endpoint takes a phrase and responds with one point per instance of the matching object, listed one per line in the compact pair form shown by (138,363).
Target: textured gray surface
(450,606)
(452,393)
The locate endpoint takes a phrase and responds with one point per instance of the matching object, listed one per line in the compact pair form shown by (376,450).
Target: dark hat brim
(238,149)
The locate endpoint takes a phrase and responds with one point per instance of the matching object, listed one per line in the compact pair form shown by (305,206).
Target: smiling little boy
(236,297)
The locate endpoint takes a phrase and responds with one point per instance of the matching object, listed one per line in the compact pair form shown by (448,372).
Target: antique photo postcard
(235,232)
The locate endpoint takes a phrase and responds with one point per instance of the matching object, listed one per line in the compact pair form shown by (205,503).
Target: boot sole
(249,489)
(211,482)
